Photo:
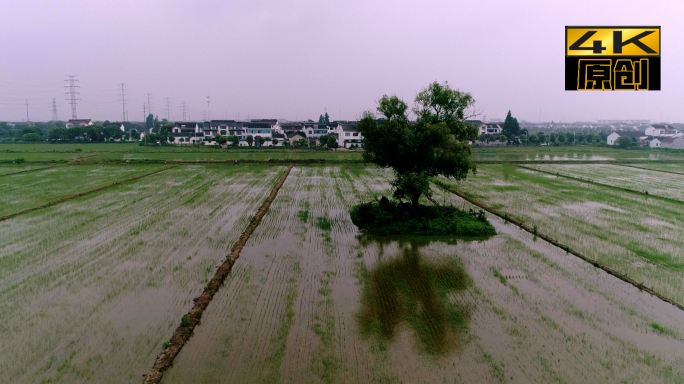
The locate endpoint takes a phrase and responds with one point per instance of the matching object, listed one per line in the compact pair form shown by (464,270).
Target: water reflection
(407,289)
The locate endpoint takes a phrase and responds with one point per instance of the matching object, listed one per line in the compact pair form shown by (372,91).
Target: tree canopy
(511,127)
(433,145)
(440,104)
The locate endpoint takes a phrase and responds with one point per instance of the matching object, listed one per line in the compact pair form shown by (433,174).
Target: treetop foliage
(440,103)
(433,145)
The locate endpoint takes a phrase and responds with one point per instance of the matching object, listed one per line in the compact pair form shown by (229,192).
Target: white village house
(661,130)
(672,142)
(78,123)
(612,138)
(348,135)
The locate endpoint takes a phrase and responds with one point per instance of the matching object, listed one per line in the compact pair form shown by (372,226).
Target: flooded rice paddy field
(90,289)
(653,182)
(636,235)
(26,190)
(310,300)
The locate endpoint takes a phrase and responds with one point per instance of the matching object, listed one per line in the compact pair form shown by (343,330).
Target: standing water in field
(407,290)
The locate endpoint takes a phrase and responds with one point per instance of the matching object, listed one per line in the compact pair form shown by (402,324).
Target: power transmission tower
(204,115)
(72,93)
(168,109)
(149,102)
(27,114)
(144,112)
(183,110)
(123,100)
(208,110)
(54,110)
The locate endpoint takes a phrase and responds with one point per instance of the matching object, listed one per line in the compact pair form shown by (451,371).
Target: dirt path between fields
(567,249)
(76,196)
(192,318)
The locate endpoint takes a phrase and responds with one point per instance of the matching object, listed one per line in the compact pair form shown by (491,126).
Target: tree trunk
(415,198)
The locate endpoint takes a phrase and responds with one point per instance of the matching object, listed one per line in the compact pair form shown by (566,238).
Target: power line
(54,110)
(123,100)
(71,80)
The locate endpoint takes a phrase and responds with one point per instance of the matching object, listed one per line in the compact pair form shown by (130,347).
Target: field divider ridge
(193,317)
(668,199)
(28,170)
(651,169)
(82,194)
(553,242)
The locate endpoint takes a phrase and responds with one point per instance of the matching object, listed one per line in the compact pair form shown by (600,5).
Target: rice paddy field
(92,288)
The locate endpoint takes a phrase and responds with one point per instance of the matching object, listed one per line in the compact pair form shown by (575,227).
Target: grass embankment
(386,218)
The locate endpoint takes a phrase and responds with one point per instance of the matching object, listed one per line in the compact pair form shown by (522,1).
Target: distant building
(187,133)
(492,129)
(259,130)
(79,123)
(672,142)
(294,136)
(661,130)
(612,138)
(314,130)
(655,143)
(349,135)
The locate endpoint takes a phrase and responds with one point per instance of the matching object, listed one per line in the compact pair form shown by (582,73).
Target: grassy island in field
(390,218)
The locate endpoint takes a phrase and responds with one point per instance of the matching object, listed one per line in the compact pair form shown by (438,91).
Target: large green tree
(511,127)
(435,144)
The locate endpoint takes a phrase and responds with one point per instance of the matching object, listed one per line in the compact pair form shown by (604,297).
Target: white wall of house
(650,131)
(612,138)
(655,143)
(263,132)
(344,137)
(677,143)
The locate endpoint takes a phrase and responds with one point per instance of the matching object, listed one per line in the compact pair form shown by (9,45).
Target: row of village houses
(275,132)
(656,136)
(271,131)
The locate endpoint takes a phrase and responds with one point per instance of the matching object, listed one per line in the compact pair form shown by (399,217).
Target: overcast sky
(292,59)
